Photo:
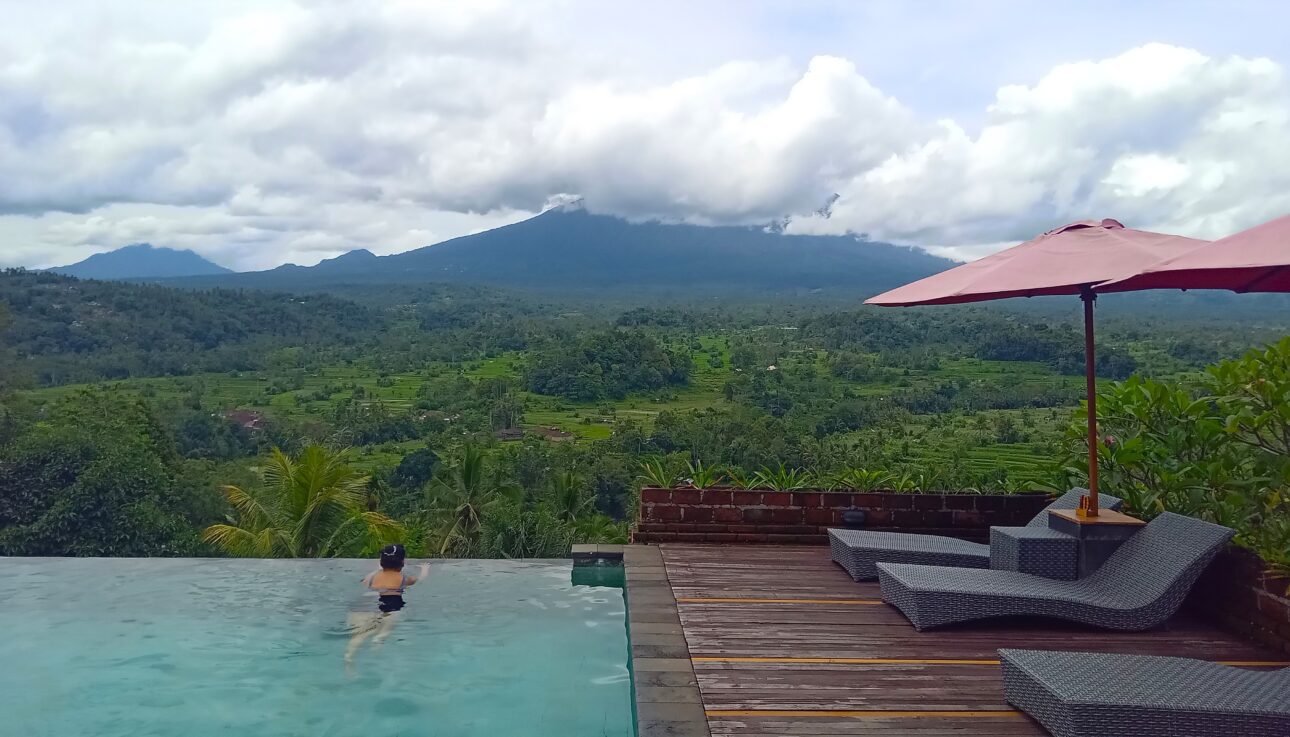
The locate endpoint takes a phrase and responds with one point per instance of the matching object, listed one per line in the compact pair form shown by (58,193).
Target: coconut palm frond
(312,505)
(233,540)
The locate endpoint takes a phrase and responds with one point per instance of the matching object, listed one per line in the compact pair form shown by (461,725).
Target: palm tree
(461,497)
(600,528)
(569,498)
(313,506)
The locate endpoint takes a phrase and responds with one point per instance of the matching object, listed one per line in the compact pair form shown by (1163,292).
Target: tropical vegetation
(1216,446)
(312,506)
(484,423)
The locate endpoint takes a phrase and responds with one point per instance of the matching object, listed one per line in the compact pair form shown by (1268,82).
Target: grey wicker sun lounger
(1139,587)
(859,551)
(1096,694)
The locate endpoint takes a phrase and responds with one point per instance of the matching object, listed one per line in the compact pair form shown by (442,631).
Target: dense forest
(141,420)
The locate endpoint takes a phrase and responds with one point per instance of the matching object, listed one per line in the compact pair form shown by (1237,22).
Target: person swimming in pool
(389,582)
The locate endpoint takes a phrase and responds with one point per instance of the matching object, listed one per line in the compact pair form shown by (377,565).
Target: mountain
(572,250)
(141,261)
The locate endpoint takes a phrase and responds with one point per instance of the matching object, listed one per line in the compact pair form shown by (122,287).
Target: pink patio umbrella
(1067,261)
(1254,260)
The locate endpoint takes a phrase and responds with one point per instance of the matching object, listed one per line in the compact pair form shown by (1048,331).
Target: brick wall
(1236,593)
(760,516)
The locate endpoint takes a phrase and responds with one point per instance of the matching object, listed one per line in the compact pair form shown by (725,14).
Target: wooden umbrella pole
(1090,376)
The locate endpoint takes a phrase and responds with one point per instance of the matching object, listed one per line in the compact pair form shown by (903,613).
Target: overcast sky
(258,133)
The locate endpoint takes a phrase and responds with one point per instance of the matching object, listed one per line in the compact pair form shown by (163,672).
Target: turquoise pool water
(255,648)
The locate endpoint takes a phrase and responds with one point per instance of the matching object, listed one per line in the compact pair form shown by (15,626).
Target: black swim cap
(392,556)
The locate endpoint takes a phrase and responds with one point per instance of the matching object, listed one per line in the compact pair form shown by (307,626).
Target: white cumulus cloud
(269,132)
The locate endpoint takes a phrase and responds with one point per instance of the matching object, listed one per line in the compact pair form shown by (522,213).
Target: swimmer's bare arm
(425,571)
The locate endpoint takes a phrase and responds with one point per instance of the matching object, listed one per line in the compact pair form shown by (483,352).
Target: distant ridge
(569,249)
(142,261)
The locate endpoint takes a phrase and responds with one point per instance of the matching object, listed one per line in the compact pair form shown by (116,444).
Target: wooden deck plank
(752,658)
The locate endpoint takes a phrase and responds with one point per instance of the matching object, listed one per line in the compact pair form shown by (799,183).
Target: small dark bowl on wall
(853,518)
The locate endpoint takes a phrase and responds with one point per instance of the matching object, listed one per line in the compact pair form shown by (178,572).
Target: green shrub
(1216,447)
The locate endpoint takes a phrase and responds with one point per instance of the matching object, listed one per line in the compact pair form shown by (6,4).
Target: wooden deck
(785,643)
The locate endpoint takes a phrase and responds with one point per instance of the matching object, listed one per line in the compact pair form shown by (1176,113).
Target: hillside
(571,250)
(141,261)
(66,330)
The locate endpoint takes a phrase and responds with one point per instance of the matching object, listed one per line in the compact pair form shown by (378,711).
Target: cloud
(1159,137)
(277,132)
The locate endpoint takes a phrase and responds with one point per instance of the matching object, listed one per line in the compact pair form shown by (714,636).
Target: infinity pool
(255,648)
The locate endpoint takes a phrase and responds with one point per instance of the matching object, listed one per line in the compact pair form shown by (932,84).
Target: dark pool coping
(666,690)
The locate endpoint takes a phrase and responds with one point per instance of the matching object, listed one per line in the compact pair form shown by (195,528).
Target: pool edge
(665,690)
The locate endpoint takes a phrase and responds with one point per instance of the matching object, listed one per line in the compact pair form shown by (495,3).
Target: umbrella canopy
(1068,260)
(1254,260)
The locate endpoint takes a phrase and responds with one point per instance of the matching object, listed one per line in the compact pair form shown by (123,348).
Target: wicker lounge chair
(859,551)
(1095,694)
(1139,587)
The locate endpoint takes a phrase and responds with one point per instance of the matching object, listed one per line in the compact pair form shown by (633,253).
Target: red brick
(1276,585)
(803,530)
(722,537)
(960,501)
(665,513)
(897,501)
(651,527)
(991,503)
(836,500)
(728,514)
(782,539)
(777,499)
(930,502)
(745,529)
(938,518)
(1273,607)
(755,515)
(753,538)
(747,498)
(878,517)
(967,519)
(811,500)
(686,496)
(691,537)
(820,517)
(787,515)
(711,528)
(652,495)
(777,529)
(663,537)
(816,539)
(717,496)
(867,500)
(906,518)
(697,514)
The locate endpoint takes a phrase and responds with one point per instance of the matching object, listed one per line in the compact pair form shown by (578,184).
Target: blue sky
(258,133)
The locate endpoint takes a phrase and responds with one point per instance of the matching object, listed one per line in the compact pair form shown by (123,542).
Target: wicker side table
(1035,550)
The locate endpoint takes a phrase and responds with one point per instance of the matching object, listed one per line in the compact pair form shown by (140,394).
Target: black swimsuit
(391,600)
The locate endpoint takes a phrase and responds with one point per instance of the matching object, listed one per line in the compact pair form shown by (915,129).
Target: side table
(1035,550)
